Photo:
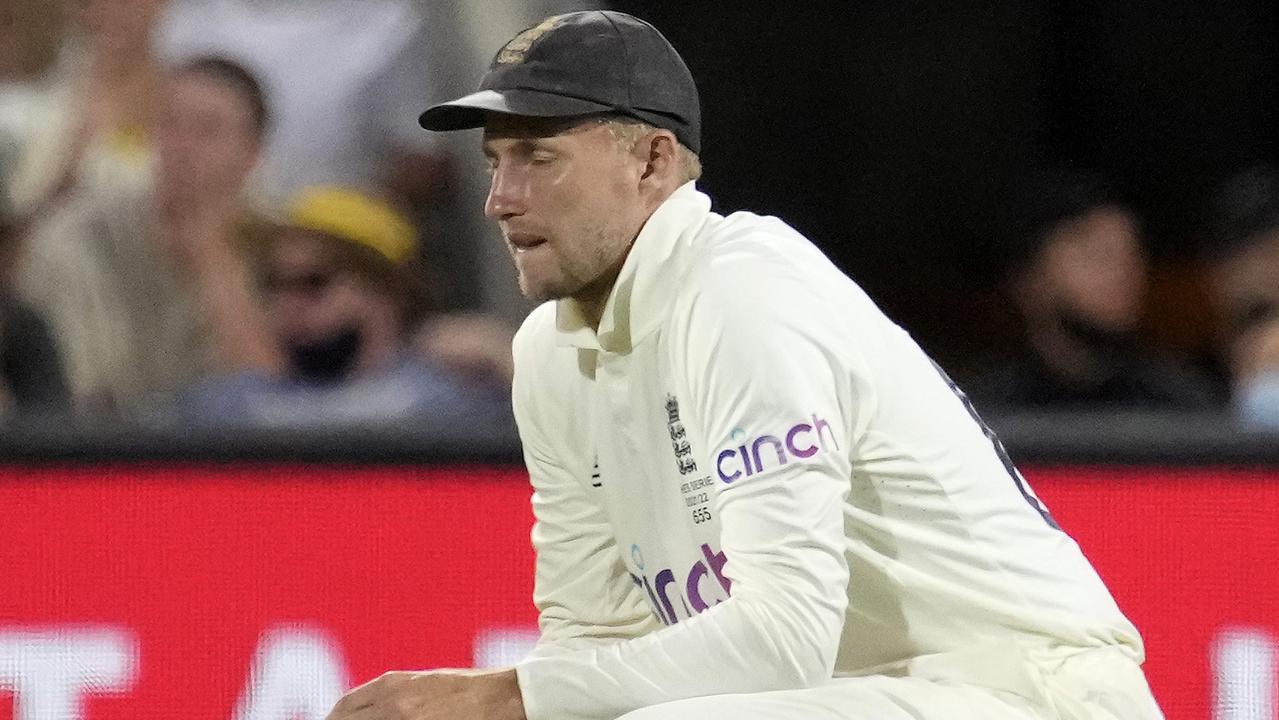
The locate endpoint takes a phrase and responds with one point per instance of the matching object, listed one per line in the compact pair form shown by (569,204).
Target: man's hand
(435,695)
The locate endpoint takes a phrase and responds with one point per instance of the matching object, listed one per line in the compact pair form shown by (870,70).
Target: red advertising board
(233,592)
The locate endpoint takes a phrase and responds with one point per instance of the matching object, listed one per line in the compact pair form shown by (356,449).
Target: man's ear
(661,159)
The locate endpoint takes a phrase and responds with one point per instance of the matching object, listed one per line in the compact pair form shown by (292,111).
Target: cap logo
(513,52)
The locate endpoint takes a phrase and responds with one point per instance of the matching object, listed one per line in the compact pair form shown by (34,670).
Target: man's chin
(542,292)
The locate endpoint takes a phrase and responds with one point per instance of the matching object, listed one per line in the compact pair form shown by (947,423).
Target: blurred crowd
(1078,278)
(214,212)
(222,212)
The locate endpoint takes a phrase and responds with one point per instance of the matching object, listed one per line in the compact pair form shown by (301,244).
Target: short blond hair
(628,132)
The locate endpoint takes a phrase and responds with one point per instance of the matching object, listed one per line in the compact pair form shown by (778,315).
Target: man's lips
(521,242)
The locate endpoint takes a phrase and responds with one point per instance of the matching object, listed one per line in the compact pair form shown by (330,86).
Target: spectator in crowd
(83,120)
(1078,277)
(344,77)
(1243,242)
(31,380)
(31,38)
(344,297)
(143,279)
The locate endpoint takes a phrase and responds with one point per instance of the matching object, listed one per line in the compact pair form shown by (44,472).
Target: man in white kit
(755,496)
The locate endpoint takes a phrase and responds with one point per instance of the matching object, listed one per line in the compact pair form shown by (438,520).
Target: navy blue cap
(583,63)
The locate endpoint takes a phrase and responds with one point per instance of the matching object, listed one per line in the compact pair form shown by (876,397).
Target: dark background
(889,132)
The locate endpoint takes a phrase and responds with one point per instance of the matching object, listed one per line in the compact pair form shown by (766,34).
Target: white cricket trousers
(1098,684)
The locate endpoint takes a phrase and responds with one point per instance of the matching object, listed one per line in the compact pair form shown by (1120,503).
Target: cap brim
(469,111)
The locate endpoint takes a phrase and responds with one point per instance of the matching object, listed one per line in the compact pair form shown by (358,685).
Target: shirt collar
(646,281)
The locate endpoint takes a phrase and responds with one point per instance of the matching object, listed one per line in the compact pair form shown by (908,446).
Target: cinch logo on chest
(801,440)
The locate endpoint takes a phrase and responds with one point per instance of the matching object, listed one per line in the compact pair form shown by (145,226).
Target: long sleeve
(776,408)
(581,588)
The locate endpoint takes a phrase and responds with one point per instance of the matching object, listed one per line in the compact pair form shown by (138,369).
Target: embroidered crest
(513,52)
(679,440)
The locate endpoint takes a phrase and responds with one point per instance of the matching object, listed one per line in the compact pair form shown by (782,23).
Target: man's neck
(594,298)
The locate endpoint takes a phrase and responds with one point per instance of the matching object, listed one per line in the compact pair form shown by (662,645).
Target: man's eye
(542,158)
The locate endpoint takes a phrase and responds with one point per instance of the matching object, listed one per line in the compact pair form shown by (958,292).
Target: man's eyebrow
(518,143)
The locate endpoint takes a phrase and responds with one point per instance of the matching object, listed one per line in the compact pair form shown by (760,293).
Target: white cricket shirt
(750,479)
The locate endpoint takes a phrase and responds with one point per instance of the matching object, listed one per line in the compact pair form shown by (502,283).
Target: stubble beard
(579,275)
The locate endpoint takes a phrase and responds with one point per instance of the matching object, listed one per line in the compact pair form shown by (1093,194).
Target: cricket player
(755,496)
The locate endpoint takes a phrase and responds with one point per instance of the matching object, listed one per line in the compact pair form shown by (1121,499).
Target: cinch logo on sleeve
(801,440)
(703,586)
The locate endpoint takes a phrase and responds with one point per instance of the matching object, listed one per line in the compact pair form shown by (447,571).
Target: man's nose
(508,195)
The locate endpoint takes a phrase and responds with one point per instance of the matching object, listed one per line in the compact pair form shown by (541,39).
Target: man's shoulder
(746,227)
(537,332)
(748,260)
(762,245)
(548,391)
(541,362)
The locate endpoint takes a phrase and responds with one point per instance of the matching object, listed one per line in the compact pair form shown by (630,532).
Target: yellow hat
(351,215)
